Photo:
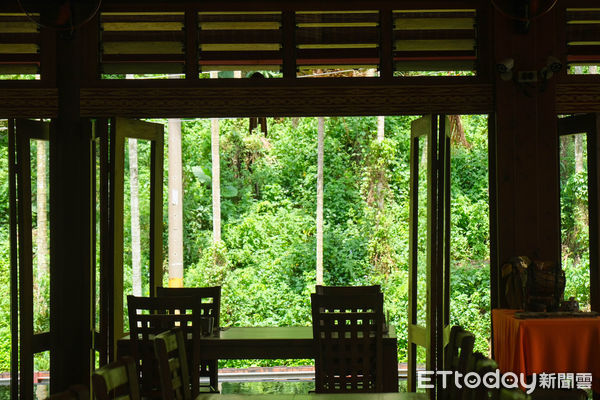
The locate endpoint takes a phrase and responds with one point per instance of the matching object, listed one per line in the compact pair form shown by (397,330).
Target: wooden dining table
(547,345)
(295,342)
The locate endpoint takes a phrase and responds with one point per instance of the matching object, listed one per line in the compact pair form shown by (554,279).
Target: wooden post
(526,140)
(70,222)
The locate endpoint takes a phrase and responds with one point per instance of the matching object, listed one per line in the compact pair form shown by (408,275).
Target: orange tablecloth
(551,345)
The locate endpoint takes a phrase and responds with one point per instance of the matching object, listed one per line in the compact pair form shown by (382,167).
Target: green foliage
(4,300)
(266,259)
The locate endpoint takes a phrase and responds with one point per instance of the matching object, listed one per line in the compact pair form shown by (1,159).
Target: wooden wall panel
(287,101)
(578,97)
(28,102)
(527,156)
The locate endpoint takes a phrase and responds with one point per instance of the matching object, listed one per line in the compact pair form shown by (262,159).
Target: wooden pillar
(526,144)
(70,225)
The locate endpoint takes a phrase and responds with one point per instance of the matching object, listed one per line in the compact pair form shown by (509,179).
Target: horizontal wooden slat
(405,23)
(142,48)
(239,17)
(142,26)
(573,15)
(142,68)
(434,34)
(142,58)
(19,37)
(245,36)
(336,17)
(12,69)
(141,17)
(435,13)
(584,43)
(240,46)
(11,17)
(441,65)
(583,32)
(338,46)
(256,56)
(24,58)
(407,45)
(23,27)
(18,48)
(429,55)
(584,50)
(338,53)
(144,36)
(331,65)
(337,35)
(241,66)
(578,97)
(228,25)
(336,24)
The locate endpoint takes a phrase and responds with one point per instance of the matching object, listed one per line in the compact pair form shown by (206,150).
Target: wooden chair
(347,290)
(149,316)
(481,365)
(347,331)
(210,307)
(117,380)
(456,355)
(172,365)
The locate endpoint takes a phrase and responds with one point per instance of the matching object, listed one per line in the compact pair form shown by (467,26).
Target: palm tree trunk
(321,135)
(42,230)
(175,205)
(216,175)
(136,258)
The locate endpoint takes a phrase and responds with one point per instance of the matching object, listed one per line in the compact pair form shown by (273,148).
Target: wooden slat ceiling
(435,40)
(19,45)
(142,43)
(583,36)
(240,41)
(333,40)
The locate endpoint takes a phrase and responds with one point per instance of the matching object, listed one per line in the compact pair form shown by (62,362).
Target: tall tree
(42,223)
(136,257)
(216,174)
(320,150)
(136,248)
(175,205)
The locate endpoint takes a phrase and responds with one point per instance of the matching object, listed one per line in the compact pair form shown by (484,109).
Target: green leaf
(229,191)
(203,174)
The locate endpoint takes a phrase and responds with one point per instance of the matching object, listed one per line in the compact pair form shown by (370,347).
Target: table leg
(390,367)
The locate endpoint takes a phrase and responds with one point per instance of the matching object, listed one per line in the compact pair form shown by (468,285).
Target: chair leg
(214,376)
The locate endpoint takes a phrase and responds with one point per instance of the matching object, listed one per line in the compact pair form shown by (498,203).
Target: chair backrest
(117,380)
(172,365)
(456,357)
(211,299)
(211,307)
(347,290)
(347,331)
(149,316)
(481,365)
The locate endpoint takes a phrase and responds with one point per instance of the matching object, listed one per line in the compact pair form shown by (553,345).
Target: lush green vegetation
(267,258)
